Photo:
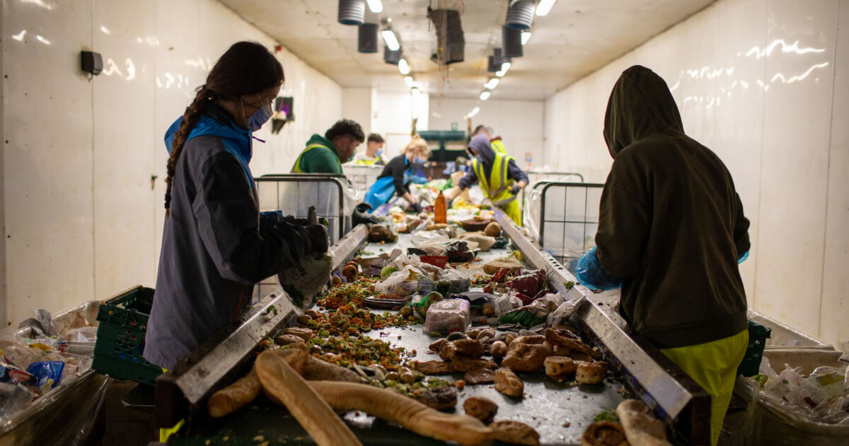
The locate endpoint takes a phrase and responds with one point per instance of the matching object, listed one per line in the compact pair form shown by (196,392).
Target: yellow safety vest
(497,186)
(375,161)
(297,167)
(498,146)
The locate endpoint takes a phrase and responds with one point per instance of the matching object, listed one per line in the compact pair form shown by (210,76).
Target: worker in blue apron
(397,175)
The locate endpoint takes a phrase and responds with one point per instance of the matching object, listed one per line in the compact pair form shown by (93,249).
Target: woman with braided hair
(215,243)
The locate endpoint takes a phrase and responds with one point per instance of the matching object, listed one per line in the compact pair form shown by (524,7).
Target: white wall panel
(123,161)
(48,156)
(835,287)
(519,123)
(82,218)
(754,82)
(798,85)
(357,105)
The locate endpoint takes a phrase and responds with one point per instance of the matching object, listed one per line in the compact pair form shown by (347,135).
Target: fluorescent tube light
(485,95)
(543,8)
(390,39)
(492,83)
(525,37)
(403,67)
(376,6)
(504,67)
(409,81)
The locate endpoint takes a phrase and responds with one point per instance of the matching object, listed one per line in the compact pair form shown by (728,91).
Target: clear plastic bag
(448,316)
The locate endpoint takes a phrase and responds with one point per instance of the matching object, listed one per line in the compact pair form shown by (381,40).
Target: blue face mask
(379,152)
(260,117)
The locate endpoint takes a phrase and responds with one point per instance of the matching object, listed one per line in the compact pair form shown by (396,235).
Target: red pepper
(500,276)
(525,299)
(528,284)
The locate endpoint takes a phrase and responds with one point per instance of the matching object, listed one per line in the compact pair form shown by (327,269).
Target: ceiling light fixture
(409,81)
(376,6)
(485,95)
(525,37)
(390,39)
(473,112)
(492,83)
(504,67)
(543,8)
(403,67)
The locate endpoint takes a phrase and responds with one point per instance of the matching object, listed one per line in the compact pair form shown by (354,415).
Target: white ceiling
(574,39)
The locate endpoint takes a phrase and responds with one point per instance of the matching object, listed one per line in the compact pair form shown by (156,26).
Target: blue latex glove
(743,257)
(591,275)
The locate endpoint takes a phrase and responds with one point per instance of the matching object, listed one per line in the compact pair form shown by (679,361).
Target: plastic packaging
(448,316)
(440,209)
(46,373)
(13,397)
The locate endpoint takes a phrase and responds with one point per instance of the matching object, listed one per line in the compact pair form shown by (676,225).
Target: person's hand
(515,189)
(449,202)
(317,235)
(415,208)
(361,214)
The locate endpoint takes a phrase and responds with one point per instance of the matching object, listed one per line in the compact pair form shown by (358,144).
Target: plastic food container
(447,316)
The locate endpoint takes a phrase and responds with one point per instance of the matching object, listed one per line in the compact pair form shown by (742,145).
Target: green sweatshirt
(671,223)
(321,158)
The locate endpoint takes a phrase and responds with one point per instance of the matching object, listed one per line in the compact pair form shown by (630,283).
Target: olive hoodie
(671,224)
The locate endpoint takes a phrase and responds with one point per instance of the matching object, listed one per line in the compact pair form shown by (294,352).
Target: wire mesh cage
(563,217)
(535,176)
(362,176)
(333,196)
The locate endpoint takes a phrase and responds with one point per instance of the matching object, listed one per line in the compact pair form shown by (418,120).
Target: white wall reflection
(728,83)
(20,36)
(40,4)
(42,39)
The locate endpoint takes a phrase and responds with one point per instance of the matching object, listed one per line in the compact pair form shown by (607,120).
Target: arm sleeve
(741,231)
(229,224)
(624,220)
(514,172)
(468,180)
(398,178)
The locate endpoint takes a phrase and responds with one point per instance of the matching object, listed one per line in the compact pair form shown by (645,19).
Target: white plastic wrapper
(447,316)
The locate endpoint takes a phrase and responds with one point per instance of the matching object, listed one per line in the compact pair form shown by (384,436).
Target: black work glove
(515,189)
(296,236)
(361,214)
(449,202)
(415,208)
(319,241)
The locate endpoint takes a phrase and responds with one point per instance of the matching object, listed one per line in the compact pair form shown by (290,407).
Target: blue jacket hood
(237,141)
(481,145)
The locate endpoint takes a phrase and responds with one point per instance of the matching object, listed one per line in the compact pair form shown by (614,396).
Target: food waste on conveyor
(446,326)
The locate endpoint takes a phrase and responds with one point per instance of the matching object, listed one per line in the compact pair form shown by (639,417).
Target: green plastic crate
(120,337)
(755,351)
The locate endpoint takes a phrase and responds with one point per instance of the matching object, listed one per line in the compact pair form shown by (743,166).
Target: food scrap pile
(493,322)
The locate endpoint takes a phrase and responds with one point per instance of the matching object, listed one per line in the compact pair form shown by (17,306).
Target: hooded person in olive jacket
(671,232)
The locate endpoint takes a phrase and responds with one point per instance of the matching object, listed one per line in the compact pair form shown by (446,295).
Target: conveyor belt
(560,413)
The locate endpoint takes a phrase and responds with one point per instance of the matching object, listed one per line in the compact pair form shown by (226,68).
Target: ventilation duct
(367,38)
(495,61)
(520,14)
(392,57)
(449,36)
(511,42)
(352,12)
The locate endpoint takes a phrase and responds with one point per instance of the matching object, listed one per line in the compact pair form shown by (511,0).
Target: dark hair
(247,67)
(374,137)
(478,129)
(345,127)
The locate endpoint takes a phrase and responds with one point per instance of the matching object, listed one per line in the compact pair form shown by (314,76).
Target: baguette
(235,396)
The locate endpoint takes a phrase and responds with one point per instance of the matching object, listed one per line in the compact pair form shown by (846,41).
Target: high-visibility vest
(297,167)
(366,162)
(497,186)
(498,146)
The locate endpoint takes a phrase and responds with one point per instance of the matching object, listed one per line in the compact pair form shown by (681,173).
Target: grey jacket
(213,248)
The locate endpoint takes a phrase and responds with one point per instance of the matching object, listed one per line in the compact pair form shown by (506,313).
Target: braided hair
(246,68)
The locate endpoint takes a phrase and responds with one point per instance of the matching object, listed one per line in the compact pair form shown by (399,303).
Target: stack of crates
(120,337)
(755,351)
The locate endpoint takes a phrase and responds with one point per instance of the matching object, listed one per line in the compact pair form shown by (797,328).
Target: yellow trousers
(713,366)
(514,211)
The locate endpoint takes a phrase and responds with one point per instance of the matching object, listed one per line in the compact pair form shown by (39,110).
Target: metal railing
(563,217)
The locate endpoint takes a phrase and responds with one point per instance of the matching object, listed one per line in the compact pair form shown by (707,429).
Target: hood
(481,144)
(640,104)
(217,122)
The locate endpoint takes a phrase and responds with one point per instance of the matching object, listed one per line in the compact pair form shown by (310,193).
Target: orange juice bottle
(440,209)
